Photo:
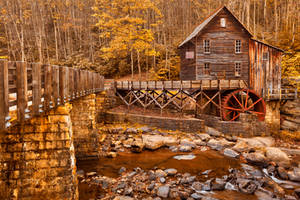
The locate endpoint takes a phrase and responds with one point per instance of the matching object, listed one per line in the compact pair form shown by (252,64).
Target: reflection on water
(163,158)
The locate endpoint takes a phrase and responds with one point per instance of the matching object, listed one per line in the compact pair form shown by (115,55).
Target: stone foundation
(83,116)
(186,125)
(246,128)
(272,118)
(37,159)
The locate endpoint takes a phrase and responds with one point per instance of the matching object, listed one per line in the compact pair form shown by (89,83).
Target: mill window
(238,46)
(238,69)
(189,55)
(206,68)
(266,56)
(223,22)
(206,46)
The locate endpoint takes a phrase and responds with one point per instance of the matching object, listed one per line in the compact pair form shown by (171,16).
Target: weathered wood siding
(188,70)
(264,74)
(222,56)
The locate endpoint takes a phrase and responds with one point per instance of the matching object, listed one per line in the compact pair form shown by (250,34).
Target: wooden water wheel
(242,101)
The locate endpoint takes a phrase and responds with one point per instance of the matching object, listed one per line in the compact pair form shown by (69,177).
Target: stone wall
(182,124)
(37,159)
(246,128)
(290,115)
(272,118)
(83,116)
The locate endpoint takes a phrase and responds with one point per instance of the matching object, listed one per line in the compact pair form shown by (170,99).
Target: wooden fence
(29,89)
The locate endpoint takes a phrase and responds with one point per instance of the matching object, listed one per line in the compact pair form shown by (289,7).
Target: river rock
(196,196)
(127,143)
(197,186)
(282,173)
(123,198)
(174,193)
(229,186)
(145,129)
(171,171)
(160,173)
(184,148)
(137,145)
(185,157)
(294,175)
(213,132)
(154,142)
(187,142)
(163,191)
(256,159)
(199,142)
(218,144)
(131,131)
(218,184)
(277,155)
(204,137)
(245,144)
(230,153)
(246,186)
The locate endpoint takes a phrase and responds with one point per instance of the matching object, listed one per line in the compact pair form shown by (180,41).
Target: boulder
(163,191)
(137,145)
(154,142)
(294,175)
(213,132)
(184,148)
(245,144)
(230,153)
(277,155)
(204,137)
(256,159)
(171,171)
(218,144)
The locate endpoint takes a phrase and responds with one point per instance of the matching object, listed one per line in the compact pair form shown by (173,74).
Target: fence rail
(281,94)
(29,89)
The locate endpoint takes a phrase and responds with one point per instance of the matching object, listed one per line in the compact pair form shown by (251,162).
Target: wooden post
(220,98)
(36,88)
(71,83)
(62,84)
(48,86)
(55,87)
(4,107)
(21,90)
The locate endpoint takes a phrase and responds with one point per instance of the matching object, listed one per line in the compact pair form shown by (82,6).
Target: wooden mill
(224,72)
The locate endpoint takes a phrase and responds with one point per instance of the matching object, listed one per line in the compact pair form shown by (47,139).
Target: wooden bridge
(28,89)
(229,98)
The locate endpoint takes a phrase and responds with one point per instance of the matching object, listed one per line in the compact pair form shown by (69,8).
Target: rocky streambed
(142,163)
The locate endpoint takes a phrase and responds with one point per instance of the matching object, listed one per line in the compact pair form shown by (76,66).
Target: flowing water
(163,159)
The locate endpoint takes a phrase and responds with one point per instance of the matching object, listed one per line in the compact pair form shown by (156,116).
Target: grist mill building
(221,47)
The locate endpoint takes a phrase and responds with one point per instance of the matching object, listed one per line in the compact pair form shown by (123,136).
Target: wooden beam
(37,87)
(4,106)
(22,98)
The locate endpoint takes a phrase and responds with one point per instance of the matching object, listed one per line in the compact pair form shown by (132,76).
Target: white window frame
(189,55)
(223,22)
(268,55)
(238,69)
(206,47)
(238,46)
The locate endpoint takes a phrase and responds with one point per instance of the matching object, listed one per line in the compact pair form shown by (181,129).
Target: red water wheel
(243,101)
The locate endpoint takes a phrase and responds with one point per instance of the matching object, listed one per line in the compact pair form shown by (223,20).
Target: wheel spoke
(235,117)
(235,109)
(259,113)
(247,96)
(226,114)
(254,103)
(238,101)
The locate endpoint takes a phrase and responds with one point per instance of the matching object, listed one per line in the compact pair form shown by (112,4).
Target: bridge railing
(28,89)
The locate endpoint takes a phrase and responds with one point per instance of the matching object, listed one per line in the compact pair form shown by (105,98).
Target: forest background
(126,37)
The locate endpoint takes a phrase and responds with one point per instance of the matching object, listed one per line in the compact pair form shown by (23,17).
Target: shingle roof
(205,22)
